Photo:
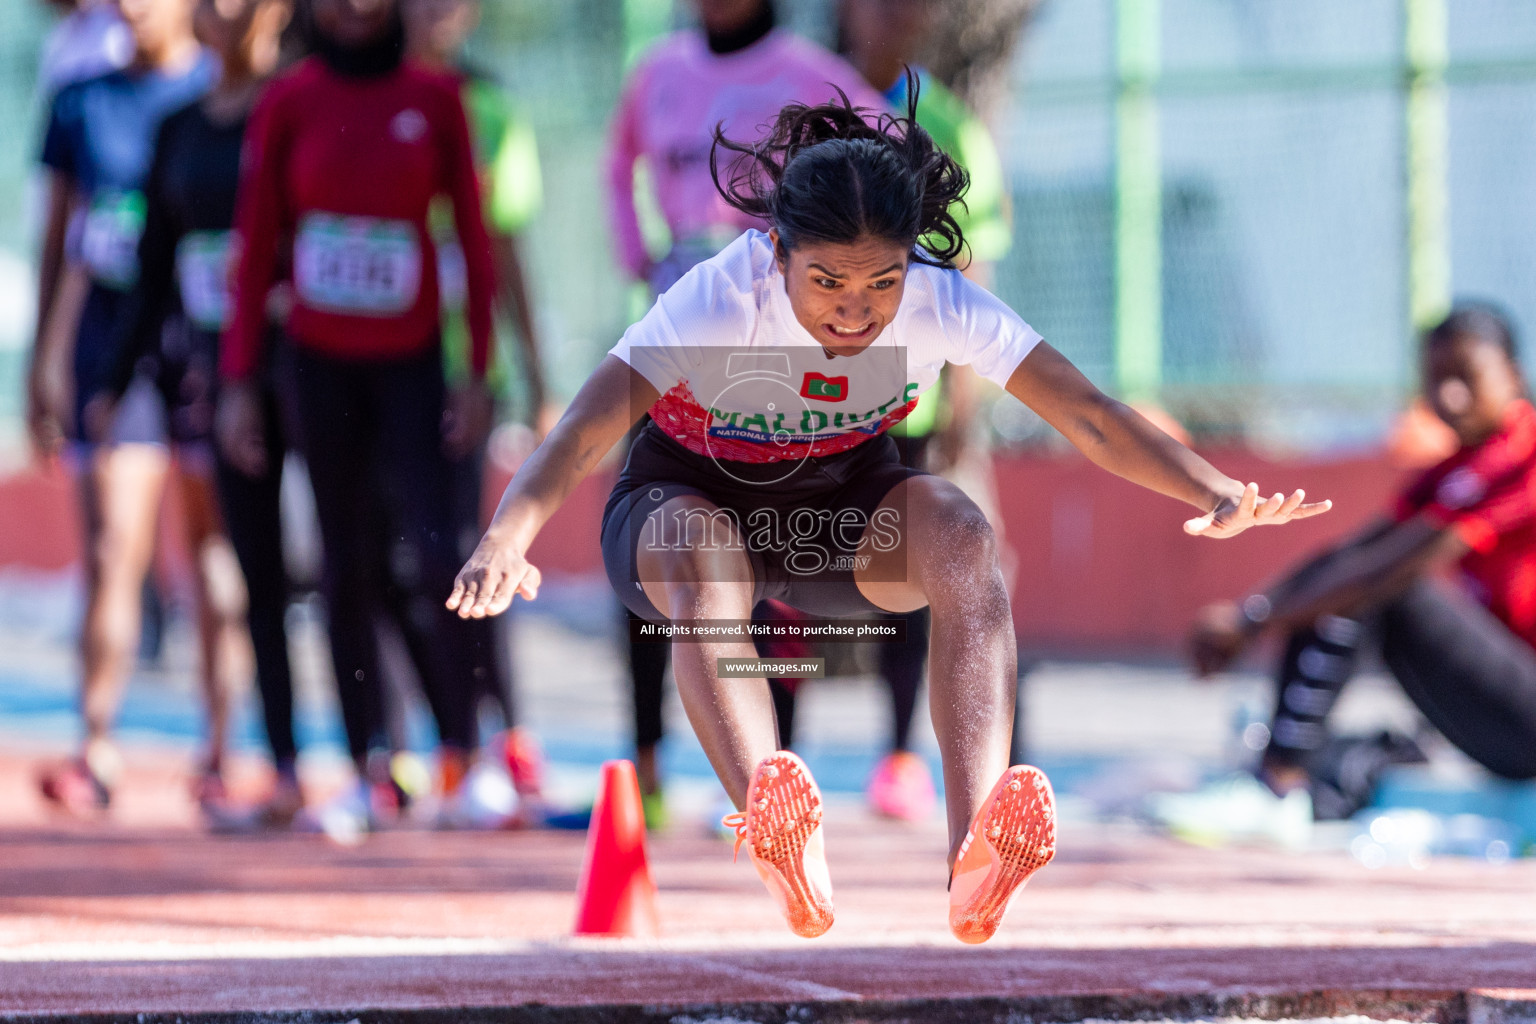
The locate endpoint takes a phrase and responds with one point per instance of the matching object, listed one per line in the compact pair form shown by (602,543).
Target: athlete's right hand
(240,427)
(48,405)
(494,574)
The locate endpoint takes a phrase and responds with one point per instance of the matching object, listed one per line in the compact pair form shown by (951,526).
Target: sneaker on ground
(485,801)
(1012,836)
(282,805)
(653,807)
(901,787)
(408,777)
(345,819)
(1236,809)
(73,788)
(279,812)
(781,828)
(209,790)
(524,756)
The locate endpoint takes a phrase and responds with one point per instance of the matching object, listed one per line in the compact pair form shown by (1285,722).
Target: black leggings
(372,434)
(1466,672)
(253,517)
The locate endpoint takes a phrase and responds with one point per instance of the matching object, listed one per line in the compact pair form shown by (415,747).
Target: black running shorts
(801,522)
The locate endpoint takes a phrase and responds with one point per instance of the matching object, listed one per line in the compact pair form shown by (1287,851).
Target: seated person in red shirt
(1464,651)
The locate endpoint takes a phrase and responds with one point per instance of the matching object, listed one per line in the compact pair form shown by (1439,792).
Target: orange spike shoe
(1012,837)
(781,828)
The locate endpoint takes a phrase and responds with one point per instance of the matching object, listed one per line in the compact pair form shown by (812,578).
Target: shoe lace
(738,821)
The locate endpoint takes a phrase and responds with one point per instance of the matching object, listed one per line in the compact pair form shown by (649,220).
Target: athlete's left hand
(467,419)
(1234,515)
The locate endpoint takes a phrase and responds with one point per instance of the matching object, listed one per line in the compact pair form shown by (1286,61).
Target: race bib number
(109,243)
(357,266)
(452,275)
(202,269)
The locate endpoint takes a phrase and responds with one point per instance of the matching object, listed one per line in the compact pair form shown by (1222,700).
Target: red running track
(148,916)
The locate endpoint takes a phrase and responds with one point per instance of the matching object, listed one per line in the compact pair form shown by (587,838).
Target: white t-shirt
(742,380)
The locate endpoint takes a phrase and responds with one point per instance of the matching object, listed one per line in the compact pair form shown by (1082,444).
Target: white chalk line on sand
(800,988)
(724,945)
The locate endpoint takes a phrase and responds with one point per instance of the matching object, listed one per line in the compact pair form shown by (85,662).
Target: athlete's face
(354,22)
(438,29)
(232,28)
(844,293)
(157,25)
(1470,382)
(724,16)
(887,29)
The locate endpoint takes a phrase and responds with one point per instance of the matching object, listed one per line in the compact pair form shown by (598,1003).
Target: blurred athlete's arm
(1117,438)
(608,404)
(512,291)
(1374,566)
(514,194)
(624,151)
(59,302)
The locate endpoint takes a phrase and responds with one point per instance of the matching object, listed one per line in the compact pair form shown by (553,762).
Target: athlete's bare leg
(697,568)
(221,603)
(121,488)
(946,558)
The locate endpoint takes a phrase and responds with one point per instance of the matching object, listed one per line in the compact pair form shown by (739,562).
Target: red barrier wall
(1104,567)
(39,520)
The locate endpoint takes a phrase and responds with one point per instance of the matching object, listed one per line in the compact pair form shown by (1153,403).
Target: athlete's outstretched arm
(607,405)
(1119,439)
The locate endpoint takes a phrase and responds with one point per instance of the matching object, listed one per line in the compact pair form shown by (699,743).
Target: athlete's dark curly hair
(1483,320)
(835,173)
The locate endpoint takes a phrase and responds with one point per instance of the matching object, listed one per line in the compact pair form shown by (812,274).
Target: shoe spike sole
(784,809)
(1020,827)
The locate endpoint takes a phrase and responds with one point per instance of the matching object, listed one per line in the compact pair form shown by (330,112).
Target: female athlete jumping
(771,373)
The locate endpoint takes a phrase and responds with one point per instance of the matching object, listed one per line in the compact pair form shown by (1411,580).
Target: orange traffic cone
(616,895)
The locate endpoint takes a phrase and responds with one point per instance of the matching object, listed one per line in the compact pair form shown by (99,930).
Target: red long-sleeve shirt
(343,171)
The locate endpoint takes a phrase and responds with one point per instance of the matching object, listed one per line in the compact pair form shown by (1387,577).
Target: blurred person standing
(882,38)
(97,152)
(512,187)
(737,70)
(178,308)
(89,40)
(1463,650)
(345,155)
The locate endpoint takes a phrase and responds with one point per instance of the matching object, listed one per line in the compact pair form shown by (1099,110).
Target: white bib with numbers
(109,239)
(202,269)
(357,266)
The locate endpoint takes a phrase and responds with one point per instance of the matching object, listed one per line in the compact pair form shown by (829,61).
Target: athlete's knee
(694,572)
(962,532)
(221,585)
(116,561)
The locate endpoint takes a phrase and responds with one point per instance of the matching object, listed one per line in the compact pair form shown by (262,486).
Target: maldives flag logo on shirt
(826,389)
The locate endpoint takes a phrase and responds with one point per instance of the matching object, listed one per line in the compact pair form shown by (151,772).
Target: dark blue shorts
(171,397)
